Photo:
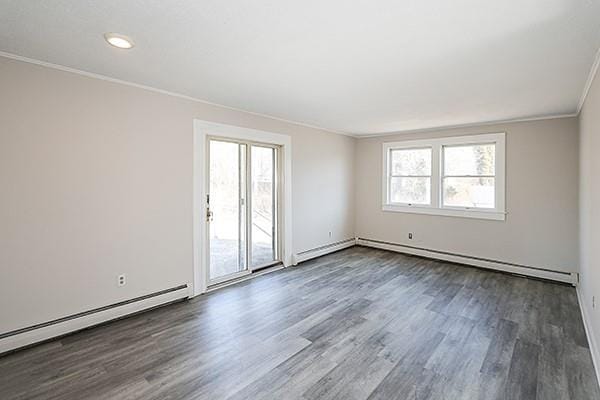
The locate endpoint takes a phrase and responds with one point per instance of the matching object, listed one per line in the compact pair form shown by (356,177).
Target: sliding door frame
(247,205)
(276,238)
(204,130)
(208,197)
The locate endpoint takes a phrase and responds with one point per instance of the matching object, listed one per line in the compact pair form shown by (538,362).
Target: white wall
(589,125)
(96,180)
(541,228)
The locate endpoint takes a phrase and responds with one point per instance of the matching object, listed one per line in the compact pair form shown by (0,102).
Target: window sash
(444,176)
(443,160)
(463,207)
(390,160)
(415,203)
(390,175)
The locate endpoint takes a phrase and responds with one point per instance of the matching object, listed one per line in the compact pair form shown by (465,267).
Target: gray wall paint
(590,217)
(541,199)
(96,180)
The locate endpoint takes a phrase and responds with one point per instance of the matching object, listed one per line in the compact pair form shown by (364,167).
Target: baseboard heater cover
(24,337)
(536,272)
(322,250)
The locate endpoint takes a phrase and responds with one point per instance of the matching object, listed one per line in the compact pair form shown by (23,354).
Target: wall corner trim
(323,250)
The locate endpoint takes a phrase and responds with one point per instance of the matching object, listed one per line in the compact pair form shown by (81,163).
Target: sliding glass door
(242,208)
(263,215)
(227,222)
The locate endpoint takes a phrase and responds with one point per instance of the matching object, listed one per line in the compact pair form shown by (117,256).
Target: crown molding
(63,68)
(589,81)
(469,125)
(161,91)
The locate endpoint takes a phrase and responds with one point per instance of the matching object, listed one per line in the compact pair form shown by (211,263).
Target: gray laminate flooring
(357,324)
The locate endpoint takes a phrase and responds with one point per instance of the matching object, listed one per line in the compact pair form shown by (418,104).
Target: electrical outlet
(121,280)
(330,233)
(593,301)
(410,235)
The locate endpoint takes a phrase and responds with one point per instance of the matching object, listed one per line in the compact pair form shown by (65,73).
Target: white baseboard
(322,250)
(589,331)
(63,326)
(474,261)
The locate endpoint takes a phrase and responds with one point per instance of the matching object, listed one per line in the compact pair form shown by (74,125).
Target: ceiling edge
(161,91)
(470,124)
(63,68)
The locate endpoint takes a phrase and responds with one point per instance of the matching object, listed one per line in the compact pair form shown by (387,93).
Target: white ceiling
(359,66)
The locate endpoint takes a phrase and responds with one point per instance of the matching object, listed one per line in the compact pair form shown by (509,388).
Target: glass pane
(263,205)
(470,160)
(227,228)
(469,192)
(411,162)
(410,190)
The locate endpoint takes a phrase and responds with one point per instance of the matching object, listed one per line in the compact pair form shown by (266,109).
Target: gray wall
(541,227)
(590,217)
(96,180)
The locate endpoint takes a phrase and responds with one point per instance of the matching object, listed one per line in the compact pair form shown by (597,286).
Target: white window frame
(436,207)
(389,176)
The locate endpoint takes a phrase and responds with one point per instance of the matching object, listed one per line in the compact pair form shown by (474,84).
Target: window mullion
(389,175)
(436,164)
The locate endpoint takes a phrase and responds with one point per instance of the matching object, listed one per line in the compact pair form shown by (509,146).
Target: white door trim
(202,129)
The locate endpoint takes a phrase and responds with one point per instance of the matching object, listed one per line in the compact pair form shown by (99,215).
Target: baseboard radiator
(559,276)
(25,337)
(322,250)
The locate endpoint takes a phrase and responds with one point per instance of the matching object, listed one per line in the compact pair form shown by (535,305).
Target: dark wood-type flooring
(357,324)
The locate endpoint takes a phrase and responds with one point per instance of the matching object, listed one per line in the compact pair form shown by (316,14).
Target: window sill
(447,212)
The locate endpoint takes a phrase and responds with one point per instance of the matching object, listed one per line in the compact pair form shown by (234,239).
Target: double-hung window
(410,176)
(454,176)
(469,177)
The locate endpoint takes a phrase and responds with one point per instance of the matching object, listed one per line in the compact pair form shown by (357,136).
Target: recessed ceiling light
(120,41)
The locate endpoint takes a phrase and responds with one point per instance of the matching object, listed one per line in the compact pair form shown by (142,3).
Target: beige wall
(590,216)
(96,180)
(541,227)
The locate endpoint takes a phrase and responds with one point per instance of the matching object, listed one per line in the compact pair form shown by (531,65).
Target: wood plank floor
(357,324)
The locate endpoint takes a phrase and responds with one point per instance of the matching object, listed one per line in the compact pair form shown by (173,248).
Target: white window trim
(436,207)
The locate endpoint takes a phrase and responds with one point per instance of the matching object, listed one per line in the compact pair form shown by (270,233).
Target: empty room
(352,200)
